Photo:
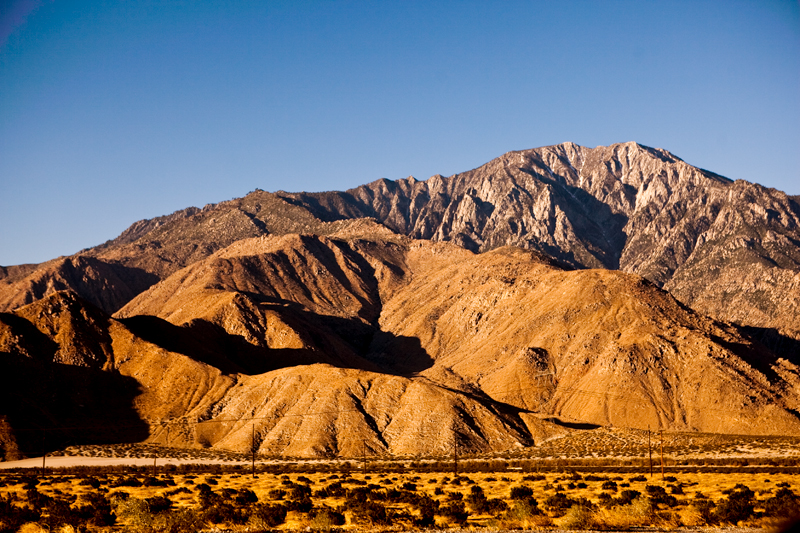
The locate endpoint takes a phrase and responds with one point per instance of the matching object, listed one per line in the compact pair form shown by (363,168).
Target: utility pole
(364,454)
(44,449)
(661,433)
(455,457)
(650,451)
(253,448)
(154,465)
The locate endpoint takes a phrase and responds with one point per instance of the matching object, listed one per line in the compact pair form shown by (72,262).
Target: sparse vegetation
(327,497)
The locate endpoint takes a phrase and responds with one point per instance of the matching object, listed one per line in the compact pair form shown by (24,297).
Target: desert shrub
(178,521)
(676,489)
(179,490)
(637,478)
(737,506)
(578,517)
(427,507)
(658,495)
(370,512)
(28,482)
(454,513)
(299,492)
(90,482)
(333,490)
(783,504)
(128,481)
(524,514)
(325,519)
(37,500)
(534,477)
(245,497)
(626,496)
(606,499)
(13,516)
(521,492)
(438,491)
(97,511)
(136,512)
(301,506)
(454,496)
(639,512)
(480,504)
(159,504)
(151,481)
(268,515)
(558,503)
(609,485)
(221,507)
(705,510)
(278,494)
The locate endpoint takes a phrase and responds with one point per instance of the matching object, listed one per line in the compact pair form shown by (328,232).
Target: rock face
(323,344)
(730,250)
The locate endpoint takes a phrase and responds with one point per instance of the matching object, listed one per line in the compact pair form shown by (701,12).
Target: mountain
(323,345)
(727,249)
(549,289)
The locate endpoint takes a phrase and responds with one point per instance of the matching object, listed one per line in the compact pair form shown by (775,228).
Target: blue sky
(112,111)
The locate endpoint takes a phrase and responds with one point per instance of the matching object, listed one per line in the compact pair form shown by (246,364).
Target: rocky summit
(551,289)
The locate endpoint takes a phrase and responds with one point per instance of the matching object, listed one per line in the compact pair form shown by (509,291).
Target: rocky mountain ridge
(626,207)
(728,249)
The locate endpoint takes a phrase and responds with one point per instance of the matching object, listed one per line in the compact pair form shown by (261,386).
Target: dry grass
(495,485)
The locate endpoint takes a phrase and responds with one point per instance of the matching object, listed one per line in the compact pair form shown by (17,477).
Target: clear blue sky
(115,111)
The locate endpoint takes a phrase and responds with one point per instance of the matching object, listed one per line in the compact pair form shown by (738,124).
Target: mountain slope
(497,321)
(625,206)
(324,343)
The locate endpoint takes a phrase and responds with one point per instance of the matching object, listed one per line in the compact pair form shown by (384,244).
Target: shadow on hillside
(594,220)
(49,406)
(780,345)
(337,341)
(766,348)
(571,425)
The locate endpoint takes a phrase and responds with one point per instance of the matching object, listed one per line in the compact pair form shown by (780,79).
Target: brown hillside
(616,349)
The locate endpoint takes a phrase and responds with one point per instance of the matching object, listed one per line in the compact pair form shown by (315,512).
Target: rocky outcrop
(106,284)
